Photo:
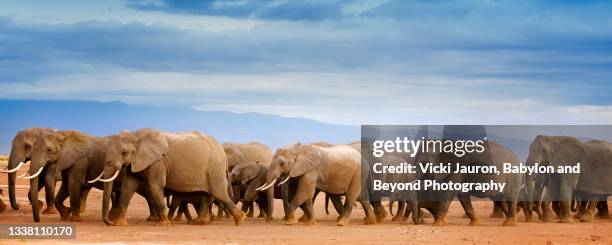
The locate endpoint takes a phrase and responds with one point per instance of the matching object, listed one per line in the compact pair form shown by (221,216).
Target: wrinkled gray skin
(334,170)
(187,162)
(77,157)
(21,151)
(238,153)
(591,184)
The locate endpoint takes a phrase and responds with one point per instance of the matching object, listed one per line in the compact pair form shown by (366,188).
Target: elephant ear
(250,172)
(568,151)
(73,148)
(152,146)
(308,158)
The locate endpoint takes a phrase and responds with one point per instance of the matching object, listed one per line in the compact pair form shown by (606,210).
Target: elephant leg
(113,214)
(417,218)
(602,209)
(174,203)
(546,208)
(182,207)
(352,194)
(510,214)
(305,191)
(128,188)
(441,210)
(309,213)
(262,211)
(221,194)
(270,205)
(50,192)
(156,188)
(84,195)
(251,212)
(370,216)
(220,211)
(399,215)
(498,211)
(203,211)
(588,213)
(62,194)
(582,207)
(466,203)
(337,202)
(74,190)
(565,199)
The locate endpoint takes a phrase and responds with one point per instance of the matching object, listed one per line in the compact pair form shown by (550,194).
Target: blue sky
(349,62)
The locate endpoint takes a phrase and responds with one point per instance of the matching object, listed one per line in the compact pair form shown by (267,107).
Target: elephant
(75,156)
(185,162)
(249,176)
(21,154)
(591,184)
(334,170)
(238,153)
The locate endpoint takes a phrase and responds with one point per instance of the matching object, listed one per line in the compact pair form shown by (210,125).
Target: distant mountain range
(100,118)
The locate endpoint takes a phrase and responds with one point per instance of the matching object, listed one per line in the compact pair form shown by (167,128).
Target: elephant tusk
(285,180)
(14,169)
(35,174)
(268,186)
(96,179)
(111,178)
(262,186)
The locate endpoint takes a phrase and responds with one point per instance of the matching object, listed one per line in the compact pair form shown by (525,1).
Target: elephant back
(596,168)
(194,163)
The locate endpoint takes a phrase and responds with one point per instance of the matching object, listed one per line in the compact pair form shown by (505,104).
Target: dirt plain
(257,231)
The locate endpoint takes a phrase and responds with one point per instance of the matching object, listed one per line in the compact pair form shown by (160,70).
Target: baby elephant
(249,176)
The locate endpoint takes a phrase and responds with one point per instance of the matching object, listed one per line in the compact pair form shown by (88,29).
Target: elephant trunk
(108,189)
(34,199)
(12,177)
(271,178)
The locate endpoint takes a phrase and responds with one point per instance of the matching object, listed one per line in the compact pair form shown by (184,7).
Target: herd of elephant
(172,171)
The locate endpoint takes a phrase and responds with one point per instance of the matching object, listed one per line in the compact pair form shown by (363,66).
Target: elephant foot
(397,217)
(152,217)
(343,221)
(369,220)
(586,217)
(509,222)
(439,222)
(261,215)
(239,217)
(65,213)
(201,221)
(475,221)
(121,221)
(291,220)
(545,218)
(565,220)
(162,223)
(303,218)
(310,222)
(382,216)
(2,207)
(75,218)
(49,210)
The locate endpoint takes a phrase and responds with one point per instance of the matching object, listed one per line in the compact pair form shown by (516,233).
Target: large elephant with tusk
(20,156)
(79,158)
(186,163)
(334,170)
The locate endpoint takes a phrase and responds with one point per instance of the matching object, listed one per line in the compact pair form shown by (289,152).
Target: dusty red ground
(256,231)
